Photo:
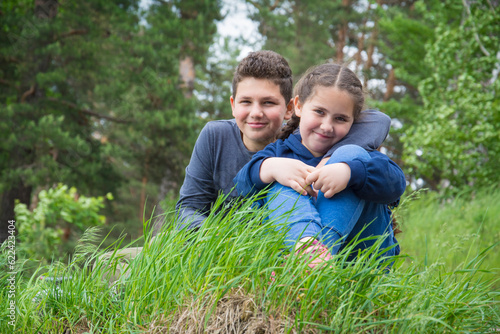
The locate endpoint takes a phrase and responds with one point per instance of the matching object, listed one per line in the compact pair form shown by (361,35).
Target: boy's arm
(198,189)
(369,131)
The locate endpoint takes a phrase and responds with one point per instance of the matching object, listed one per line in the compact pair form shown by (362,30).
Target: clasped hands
(306,180)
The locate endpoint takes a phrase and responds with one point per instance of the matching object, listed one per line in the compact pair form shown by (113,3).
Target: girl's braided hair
(326,75)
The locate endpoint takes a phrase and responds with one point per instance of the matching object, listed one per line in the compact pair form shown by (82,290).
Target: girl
(328,99)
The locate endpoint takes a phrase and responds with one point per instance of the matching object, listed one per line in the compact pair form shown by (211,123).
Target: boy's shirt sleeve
(248,180)
(378,180)
(369,131)
(198,189)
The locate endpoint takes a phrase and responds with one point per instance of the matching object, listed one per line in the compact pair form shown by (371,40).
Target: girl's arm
(288,172)
(248,180)
(378,180)
(267,167)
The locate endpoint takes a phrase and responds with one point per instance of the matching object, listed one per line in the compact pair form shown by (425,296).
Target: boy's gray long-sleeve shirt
(219,153)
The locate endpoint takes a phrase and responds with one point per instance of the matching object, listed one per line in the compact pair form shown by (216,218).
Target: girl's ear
(289,110)
(297,106)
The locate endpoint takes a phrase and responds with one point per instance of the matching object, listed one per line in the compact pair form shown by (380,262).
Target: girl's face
(325,118)
(259,110)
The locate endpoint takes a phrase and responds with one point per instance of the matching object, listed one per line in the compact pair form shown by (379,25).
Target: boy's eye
(319,112)
(269,102)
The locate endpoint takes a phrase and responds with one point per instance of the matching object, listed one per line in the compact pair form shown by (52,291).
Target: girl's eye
(319,112)
(341,119)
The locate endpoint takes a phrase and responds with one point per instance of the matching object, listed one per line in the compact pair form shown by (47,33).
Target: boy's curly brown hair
(268,65)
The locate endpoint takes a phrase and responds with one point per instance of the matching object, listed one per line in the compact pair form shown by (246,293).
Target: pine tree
(51,56)
(100,95)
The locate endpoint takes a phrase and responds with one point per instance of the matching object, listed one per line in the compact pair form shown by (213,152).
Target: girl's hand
(288,172)
(330,179)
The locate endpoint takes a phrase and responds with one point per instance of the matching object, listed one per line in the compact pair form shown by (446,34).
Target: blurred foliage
(454,144)
(49,231)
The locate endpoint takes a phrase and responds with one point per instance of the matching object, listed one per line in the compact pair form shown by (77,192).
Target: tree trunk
(143,190)
(187,75)
(341,42)
(391,82)
(371,50)
(143,200)
(361,46)
(342,35)
(46,9)
(16,192)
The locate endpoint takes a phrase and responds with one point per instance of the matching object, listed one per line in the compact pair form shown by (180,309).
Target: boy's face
(259,110)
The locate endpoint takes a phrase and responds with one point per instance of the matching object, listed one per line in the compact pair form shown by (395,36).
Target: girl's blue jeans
(336,220)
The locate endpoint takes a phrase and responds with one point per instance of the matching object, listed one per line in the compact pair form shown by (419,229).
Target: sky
(236,24)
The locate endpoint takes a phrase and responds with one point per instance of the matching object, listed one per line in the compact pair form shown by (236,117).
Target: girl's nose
(327,126)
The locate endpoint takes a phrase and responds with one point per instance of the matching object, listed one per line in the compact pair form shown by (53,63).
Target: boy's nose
(256,111)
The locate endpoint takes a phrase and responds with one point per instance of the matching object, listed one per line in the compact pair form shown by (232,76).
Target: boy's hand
(288,172)
(330,179)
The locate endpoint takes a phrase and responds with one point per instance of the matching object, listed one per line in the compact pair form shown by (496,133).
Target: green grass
(452,232)
(217,281)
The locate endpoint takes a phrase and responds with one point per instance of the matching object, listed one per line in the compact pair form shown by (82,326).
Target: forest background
(101,101)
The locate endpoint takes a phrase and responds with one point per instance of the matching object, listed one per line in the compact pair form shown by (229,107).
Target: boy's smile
(259,110)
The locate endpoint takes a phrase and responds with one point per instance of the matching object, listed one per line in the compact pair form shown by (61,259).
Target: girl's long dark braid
(289,127)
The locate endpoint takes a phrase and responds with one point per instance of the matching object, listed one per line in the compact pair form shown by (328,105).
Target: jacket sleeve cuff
(358,174)
(255,176)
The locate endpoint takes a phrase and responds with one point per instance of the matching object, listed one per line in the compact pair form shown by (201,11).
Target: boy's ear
(297,106)
(232,104)
(289,110)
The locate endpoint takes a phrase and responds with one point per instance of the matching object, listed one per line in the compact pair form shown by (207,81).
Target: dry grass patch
(235,313)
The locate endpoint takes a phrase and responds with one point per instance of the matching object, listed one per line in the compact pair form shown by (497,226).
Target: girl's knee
(279,193)
(348,152)
(277,188)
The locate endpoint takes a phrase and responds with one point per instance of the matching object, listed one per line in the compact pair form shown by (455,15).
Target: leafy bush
(61,215)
